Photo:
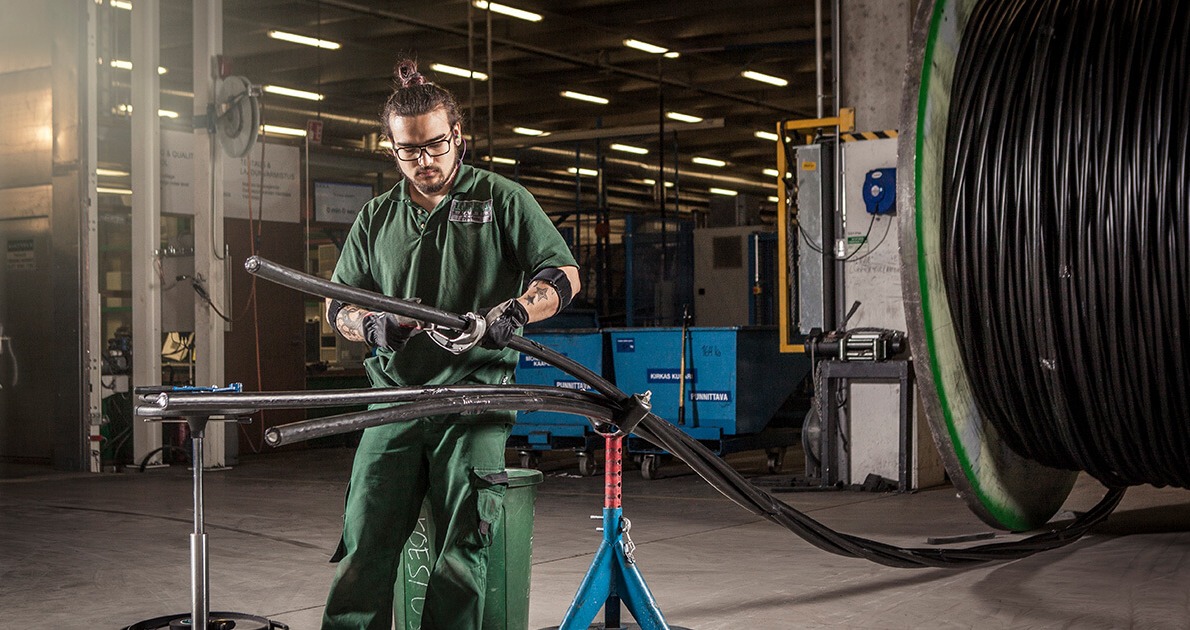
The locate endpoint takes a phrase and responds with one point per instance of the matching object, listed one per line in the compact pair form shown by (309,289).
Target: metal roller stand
(200,615)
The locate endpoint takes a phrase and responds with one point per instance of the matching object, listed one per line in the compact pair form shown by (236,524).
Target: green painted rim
(1001,487)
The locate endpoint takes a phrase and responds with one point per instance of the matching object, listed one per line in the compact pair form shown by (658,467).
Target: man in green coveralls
(463,240)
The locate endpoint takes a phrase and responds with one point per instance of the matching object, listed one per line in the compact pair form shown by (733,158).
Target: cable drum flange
(975,366)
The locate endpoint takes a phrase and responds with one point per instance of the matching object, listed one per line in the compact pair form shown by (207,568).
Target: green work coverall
(476,249)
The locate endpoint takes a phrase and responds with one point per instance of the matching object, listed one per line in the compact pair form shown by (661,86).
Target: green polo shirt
(475,250)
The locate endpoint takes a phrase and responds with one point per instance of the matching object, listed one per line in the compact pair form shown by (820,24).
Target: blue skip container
(538,431)
(736,380)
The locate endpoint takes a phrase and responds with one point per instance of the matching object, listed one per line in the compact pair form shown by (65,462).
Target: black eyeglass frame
(445,141)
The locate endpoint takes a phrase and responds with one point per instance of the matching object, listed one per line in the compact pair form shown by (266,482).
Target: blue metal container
(548,430)
(736,378)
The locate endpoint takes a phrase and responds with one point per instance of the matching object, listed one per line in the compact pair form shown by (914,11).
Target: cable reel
(237,115)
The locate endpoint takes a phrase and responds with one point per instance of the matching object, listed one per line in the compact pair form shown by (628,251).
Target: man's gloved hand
(389,330)
(503,320)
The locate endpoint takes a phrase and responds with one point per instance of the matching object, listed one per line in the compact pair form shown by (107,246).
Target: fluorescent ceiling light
(579,96)
(127,65)
(680,117)
(722,191)
(504,9)
(774,199)
(526,131)
(705,161)
(104,190)
(652,49)
(772,172)
(673,54)
(385,144)
(305,41)
(586,172)
(302,94)
(496,159)
(110,172)
(282,131)
(126,110)
(458,72)
(628,148)
(767,135)
(652,182)
(122,4)
(764,78)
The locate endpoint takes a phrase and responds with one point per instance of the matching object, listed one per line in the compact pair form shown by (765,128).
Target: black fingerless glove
(503,320)
(386,330)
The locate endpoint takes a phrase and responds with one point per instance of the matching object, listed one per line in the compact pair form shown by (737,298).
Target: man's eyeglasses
(435,148)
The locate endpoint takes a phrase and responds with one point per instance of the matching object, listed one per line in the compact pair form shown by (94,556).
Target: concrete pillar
(874,48)
(209,250)
(146,215)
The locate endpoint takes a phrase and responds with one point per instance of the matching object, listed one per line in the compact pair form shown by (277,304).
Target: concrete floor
(103,551)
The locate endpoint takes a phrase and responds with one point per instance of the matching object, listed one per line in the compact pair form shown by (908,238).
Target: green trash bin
(509,562)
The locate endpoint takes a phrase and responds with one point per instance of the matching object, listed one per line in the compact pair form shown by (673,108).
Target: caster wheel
(776,457)
(530,459)
(586,464)
(649,465)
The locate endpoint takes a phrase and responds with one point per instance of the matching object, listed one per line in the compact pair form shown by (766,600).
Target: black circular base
(631,626)
(216,621)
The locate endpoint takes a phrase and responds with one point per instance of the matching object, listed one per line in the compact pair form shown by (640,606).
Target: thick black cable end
(272,437)
(635,409)
(252,264)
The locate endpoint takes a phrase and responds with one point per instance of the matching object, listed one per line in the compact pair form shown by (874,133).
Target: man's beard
(433,186)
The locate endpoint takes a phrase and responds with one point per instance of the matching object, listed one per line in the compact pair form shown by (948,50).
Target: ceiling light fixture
(628,148)
(579,96)
(294,38)
(458,72)
(586,172)
(652,49)
(504,9)
(282,131)
(122,4)
(723,191)
(767,135)
(284,91)
(680,117)
(104,190)
(526,131)
(110,172)
(165,113)
(764,78)
(705,161)
(496,159)
(127,65)
(772,172)
(773,199)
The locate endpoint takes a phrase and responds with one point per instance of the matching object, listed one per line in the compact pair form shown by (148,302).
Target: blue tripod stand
(613,576)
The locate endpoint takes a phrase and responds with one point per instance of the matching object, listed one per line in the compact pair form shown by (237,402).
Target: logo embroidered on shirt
(462,211)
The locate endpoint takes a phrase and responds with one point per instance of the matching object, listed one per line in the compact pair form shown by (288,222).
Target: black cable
(1066,231)
(871,222)
(702,460)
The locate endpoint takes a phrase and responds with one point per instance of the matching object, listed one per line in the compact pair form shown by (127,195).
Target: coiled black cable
(1066,231)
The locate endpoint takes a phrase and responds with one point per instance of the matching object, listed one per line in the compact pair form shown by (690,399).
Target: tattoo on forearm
(350,323)
(538,292)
